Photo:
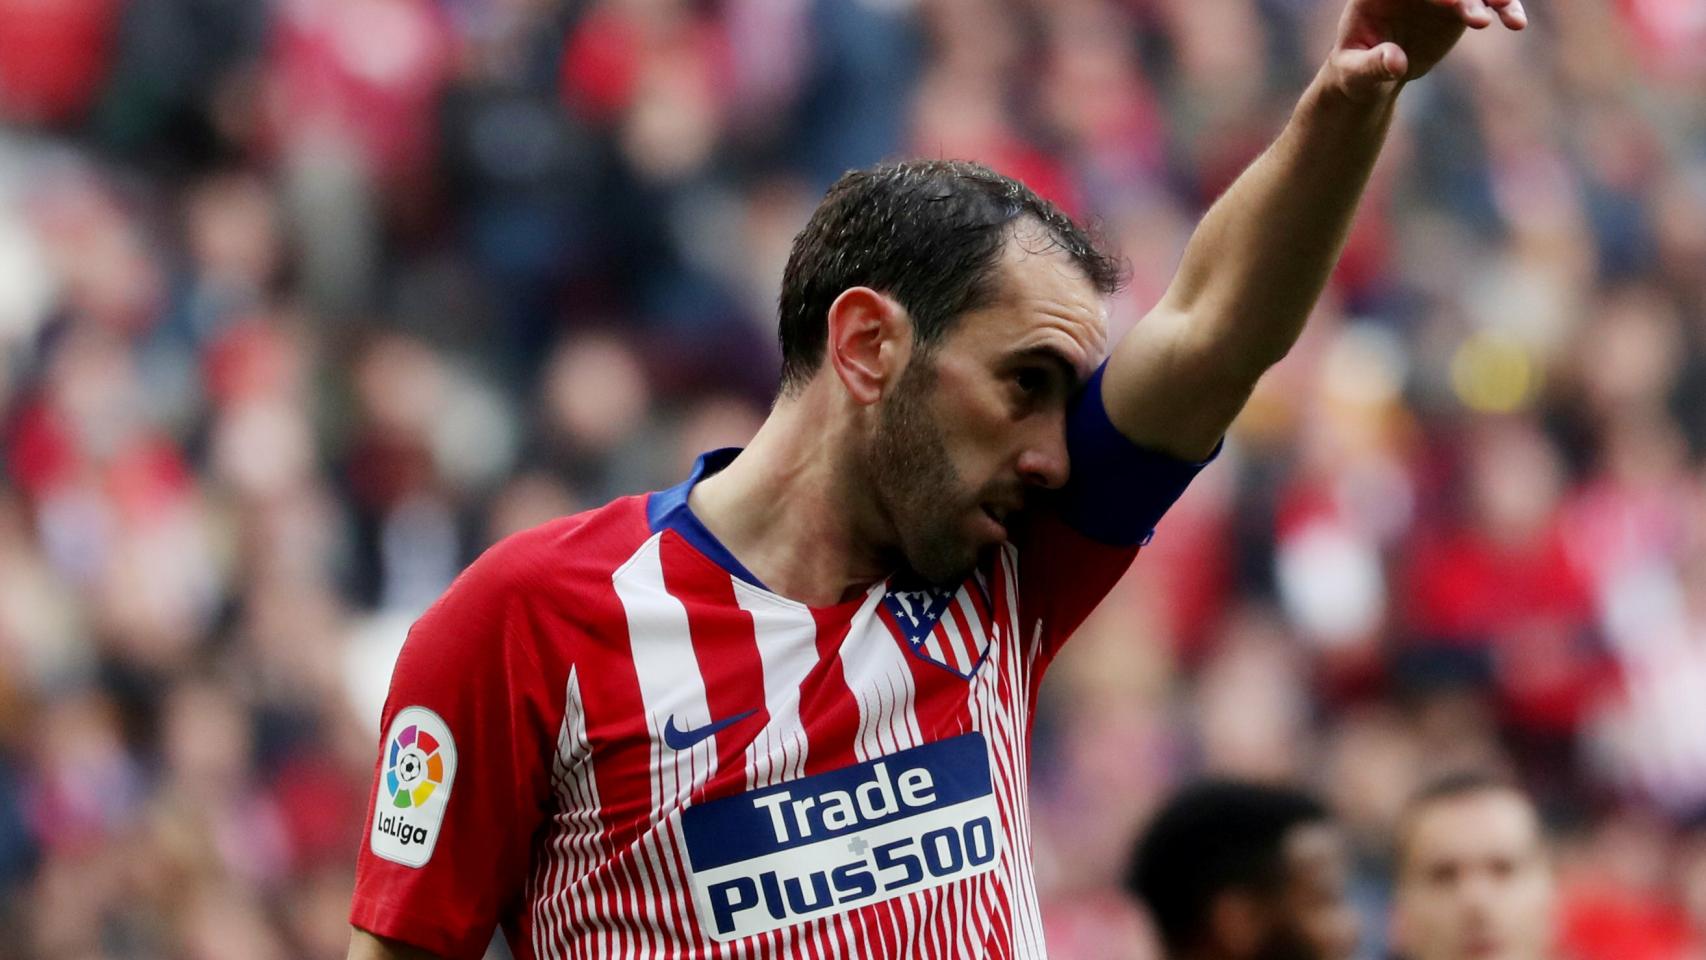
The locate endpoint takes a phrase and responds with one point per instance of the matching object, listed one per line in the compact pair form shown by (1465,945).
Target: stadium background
(303,303)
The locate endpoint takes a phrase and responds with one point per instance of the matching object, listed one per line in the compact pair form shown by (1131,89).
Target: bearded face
(917,486)
(976,422)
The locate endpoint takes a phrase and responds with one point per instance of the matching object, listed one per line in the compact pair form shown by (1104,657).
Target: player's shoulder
(496,602)
(560,564)
(590,544)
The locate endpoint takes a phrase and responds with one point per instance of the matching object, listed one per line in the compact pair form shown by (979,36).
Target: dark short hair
(1215,836)
(928,233)
(1449,786)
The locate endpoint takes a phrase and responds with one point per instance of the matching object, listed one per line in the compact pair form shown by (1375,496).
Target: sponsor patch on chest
(836,841)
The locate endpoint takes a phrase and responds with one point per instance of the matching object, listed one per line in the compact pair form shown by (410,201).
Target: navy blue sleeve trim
(1117,490)
(668,510)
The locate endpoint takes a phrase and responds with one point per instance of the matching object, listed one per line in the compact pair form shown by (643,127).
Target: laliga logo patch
(420,765)
(837,841)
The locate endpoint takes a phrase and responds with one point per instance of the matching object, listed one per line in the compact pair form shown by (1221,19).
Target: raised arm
(1260,257)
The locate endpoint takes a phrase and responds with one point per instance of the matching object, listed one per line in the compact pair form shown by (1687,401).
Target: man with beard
(1474,878)
(1240,871)
(781,709)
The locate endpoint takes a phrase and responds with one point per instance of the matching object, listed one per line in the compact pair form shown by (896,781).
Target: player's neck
(783,510)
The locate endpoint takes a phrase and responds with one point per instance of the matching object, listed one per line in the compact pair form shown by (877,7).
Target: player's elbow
(1209,357)
(366,946)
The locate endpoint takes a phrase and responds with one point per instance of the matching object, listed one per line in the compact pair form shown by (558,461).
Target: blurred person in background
(1231,870)
(1474,877)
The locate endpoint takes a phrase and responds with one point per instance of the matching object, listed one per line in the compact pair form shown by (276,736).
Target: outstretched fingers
(1510,13)
(1475,14)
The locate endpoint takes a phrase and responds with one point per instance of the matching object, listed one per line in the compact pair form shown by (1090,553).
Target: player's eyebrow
(1051,356)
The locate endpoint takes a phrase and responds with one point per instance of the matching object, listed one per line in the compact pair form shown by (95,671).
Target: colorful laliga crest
(414,767)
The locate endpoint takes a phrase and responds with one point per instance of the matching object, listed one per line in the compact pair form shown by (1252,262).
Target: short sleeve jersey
(609,739)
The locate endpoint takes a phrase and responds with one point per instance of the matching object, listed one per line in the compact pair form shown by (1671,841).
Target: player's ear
(870,341)
(1237,923)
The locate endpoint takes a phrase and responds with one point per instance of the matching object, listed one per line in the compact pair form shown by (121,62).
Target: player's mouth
(997,517)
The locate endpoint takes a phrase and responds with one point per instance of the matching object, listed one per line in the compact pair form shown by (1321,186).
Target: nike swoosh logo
(679,739)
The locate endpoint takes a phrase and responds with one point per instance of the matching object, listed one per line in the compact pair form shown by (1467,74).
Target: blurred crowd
(303,303)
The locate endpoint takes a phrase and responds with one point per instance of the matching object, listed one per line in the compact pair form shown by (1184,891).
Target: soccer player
(1474,878)
(1240,871)
(780,710)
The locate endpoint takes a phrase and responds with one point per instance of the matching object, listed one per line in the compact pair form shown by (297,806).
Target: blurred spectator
(1236,871)
(54,57)
(1474,877)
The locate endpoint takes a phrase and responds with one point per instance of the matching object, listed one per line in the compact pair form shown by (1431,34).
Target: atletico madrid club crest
(950,628)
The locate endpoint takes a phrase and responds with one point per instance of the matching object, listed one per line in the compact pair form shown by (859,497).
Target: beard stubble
(916,485)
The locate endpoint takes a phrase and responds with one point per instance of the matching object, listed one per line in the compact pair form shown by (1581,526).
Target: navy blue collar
(668,510)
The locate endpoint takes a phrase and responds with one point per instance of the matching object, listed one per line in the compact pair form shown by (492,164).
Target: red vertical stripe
(943,647)
(826,699)
(621,758)
(941,705)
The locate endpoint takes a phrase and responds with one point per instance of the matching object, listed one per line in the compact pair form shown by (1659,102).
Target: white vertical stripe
(664,663)
(787,651)
(976,920)
(950,634)
(1020,664)
(849,942)
(998,702)
(563,905)
(1020,671)
(671,687)
(575,778)
(875,668)
(978,641)
(546,906)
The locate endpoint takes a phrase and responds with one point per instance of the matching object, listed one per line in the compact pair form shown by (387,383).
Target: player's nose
(1044,461)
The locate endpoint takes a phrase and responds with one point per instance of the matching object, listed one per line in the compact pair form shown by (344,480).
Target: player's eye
(1442,875)
(1031,380)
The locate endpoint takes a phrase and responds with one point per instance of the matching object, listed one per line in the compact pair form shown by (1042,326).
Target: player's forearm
(1250,276)
(1260,258)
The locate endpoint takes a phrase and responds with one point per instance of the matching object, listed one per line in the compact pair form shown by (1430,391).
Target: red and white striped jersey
(610,739)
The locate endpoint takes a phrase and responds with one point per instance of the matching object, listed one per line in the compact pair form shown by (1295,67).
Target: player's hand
(1383,43)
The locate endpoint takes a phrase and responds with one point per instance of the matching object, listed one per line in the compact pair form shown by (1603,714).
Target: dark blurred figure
(1241,871)
(1474,877)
